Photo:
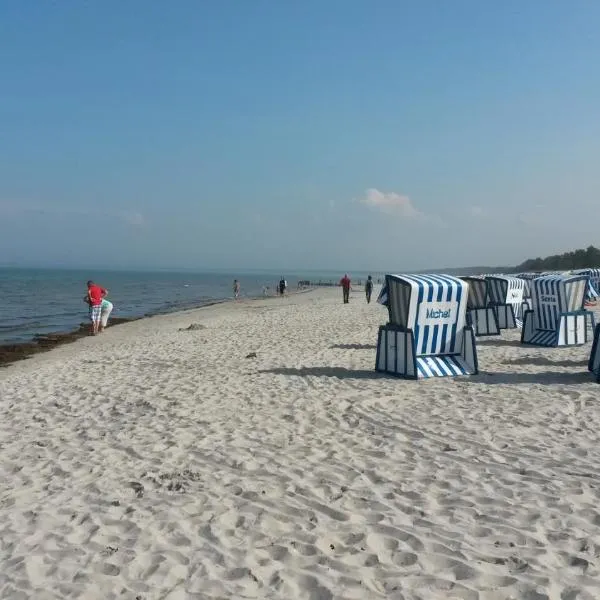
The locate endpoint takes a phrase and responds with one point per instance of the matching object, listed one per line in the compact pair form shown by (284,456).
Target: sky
(322,134)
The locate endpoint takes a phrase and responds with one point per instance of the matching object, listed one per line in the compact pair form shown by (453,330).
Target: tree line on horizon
(568,261)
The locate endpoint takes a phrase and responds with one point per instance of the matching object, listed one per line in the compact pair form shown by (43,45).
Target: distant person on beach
(369,288)
(95,295)
(282,286)
(345,283)
(236,288)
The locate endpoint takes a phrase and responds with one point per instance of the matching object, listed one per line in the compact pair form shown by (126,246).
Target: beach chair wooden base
(507,319)
(484,321)
(571,330)
(396,355)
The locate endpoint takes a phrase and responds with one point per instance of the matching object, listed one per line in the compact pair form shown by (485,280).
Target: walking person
(95,295)
(282,286)
(345,283)
(236,288)
(369,288)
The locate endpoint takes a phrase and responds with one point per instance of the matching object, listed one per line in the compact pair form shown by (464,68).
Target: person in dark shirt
(369,289)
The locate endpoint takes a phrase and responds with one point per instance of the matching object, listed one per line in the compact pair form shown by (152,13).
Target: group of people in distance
(100,307)
(346,284)
(281,288)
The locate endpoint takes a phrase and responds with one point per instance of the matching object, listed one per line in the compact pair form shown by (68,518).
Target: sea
(43,301)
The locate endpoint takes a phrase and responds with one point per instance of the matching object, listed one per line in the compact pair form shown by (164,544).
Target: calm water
(44,301)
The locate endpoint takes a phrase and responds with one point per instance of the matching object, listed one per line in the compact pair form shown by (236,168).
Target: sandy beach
(259,455)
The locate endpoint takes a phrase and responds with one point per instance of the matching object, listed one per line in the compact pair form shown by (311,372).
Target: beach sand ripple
(258,455)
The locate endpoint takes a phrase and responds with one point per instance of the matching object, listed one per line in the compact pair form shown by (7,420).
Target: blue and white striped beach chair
(594,363)
(593,290)
(426,335)
(480,316)
(505,294)
(527,278)
(558,316)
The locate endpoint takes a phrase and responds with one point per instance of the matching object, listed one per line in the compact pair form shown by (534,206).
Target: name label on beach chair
(435,313)
(549,300)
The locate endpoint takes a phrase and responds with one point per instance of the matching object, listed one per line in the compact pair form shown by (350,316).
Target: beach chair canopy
(433,306)
(478,292)
(505,289)
(593,290)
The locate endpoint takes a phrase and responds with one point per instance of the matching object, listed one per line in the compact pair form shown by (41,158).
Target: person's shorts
(95,313)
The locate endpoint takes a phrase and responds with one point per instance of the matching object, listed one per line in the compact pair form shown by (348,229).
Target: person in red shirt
(95,295)
(345,283)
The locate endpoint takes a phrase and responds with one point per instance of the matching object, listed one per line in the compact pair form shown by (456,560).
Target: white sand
(153,463)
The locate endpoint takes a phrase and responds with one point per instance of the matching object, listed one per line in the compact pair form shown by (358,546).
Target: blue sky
(331,134)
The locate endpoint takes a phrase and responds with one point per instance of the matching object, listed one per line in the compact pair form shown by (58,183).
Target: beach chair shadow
(540,378)
(542,361)
(354,346)
(497,342)
(339,372)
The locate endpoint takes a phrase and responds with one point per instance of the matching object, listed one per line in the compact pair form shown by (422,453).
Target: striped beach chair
(527,278)
(505,295)
(480,316)
(593,290)
(594,363)
(558,316)
(426,335)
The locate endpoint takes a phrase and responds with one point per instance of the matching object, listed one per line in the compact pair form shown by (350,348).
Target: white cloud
(390,203)
(134,218)
(476,211)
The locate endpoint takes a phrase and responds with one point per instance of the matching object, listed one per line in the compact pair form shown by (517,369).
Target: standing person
(345,283)
(369,288)
(105,309)
(236,288)
(95,295)
(282,286)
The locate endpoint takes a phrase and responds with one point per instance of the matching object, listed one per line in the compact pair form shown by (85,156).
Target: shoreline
(11,352)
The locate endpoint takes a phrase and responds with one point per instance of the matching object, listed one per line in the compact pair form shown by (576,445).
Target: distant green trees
(577,259)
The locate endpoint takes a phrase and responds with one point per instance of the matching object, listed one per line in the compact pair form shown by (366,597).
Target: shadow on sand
(540,378)
(339,372)
(355,346)
(542,361)
(498,342)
